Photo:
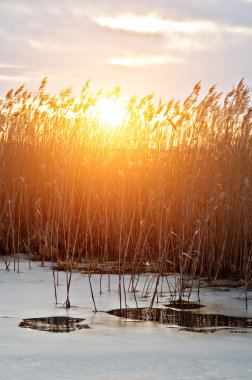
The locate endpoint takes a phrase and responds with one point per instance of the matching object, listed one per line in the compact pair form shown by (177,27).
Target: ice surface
(112,348)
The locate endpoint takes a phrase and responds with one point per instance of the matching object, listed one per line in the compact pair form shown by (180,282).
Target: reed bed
(170,187)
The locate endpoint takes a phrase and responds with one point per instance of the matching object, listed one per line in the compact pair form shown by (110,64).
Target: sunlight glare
(110,112)
(71,115)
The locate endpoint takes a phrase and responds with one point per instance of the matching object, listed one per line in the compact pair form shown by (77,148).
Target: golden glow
(110,112)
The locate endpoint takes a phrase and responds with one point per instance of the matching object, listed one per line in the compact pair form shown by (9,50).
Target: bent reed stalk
(170,187)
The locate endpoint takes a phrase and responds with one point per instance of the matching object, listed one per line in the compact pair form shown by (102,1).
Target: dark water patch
(184,305)
(183,318)
(54,324)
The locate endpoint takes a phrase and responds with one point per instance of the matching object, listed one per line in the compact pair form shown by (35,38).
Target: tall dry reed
(171,186)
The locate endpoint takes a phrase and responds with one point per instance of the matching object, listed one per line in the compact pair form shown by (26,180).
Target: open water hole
(54,324)
(188,319)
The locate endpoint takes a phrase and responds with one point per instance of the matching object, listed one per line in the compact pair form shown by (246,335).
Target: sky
(162,46)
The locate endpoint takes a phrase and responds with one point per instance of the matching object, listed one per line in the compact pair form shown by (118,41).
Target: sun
(109,112)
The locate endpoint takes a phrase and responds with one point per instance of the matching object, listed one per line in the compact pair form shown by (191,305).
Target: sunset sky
(161,46)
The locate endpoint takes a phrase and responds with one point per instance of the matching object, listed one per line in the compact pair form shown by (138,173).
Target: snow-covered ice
(112,348)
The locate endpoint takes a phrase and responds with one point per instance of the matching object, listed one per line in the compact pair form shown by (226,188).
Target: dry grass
(171,186)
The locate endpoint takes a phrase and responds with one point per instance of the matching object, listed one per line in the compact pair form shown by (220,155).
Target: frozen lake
(112,348)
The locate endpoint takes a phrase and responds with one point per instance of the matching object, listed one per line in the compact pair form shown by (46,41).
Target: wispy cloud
(50,45)
(153,24)
(139,61)
(4,65)
(239,30)
(181,36)
(11,72)
(28,77)
(134,23)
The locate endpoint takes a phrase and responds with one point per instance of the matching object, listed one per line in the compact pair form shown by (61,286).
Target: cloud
(153,24)
(134,23)
(17,78)
(239,30)
(21,76)
(138,61)
(47,45)
(10,66)
(184,36)
(10,72)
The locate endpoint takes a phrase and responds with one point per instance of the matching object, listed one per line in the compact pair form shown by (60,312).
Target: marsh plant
(141,182)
